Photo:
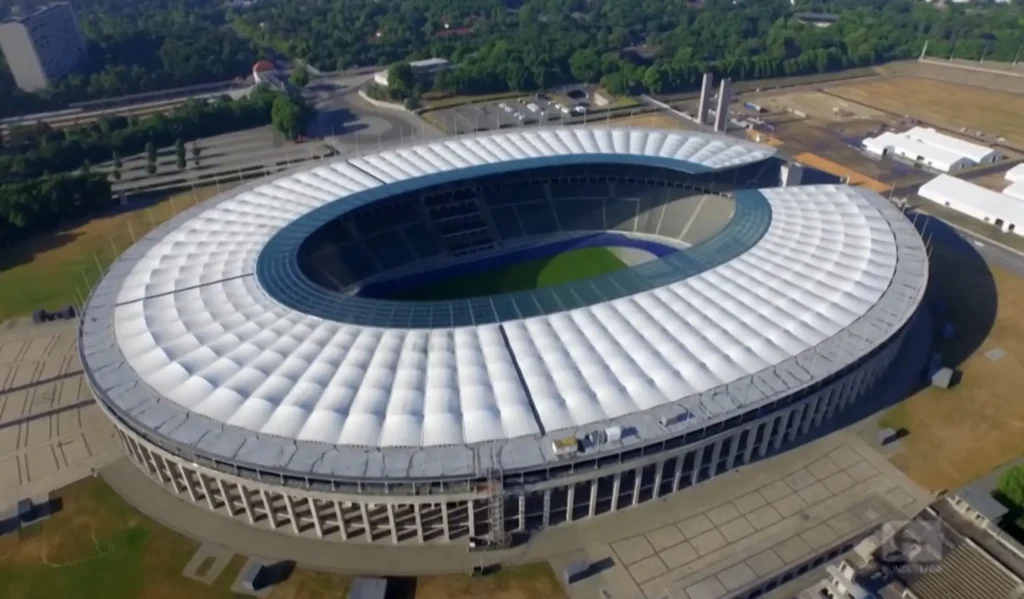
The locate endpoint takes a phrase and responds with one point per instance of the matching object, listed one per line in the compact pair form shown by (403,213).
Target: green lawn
(545,272)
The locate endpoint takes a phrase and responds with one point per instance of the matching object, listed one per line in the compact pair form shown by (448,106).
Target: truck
(532,107)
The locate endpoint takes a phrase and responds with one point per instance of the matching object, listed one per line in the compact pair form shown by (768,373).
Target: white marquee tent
(928,147)
(999,209)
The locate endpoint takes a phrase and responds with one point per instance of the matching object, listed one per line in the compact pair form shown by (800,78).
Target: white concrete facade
(314,508)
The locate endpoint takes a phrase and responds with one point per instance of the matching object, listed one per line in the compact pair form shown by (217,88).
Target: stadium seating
(472,220)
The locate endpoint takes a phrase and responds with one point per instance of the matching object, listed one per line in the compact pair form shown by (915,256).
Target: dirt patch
(817,105)
(943,104)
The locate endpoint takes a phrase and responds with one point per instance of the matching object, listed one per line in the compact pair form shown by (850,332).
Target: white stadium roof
(185,341)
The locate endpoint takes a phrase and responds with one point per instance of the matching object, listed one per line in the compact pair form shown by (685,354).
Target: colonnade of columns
(426,518)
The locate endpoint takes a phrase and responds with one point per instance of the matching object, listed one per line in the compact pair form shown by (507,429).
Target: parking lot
(527,110)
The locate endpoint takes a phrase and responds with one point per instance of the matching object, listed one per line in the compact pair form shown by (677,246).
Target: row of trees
(41,150)
(652,45)
(30,207)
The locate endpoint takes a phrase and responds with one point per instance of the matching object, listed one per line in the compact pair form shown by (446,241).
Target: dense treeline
(30,207)
(650,45)
(40,150)
(138,46)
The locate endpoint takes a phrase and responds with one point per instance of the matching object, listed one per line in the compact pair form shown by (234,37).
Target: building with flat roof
(42,46)
(925,146)
(422,68)
(993,207)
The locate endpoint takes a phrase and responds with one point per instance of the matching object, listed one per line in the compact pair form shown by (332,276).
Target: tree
(151,168)
(150,152)
(401,80)
(84,169)
(117,159)
(413,102)
(1011,485)
(299,76)
(287,115)
(585,65)
(196,150)
(116,174)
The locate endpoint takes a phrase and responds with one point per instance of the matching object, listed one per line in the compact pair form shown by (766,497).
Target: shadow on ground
(401,587)
(961,291)
(25,252)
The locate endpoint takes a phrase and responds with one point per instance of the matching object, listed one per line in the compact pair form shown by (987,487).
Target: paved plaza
(51,431)
(749,525)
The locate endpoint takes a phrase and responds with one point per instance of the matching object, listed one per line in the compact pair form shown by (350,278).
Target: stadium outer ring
(399,511)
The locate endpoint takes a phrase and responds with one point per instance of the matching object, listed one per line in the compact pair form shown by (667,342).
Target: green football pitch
(534,274)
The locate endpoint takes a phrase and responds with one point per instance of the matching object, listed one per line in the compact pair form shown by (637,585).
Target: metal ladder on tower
(496,509)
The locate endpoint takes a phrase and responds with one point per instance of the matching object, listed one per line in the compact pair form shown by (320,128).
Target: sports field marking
(566,267)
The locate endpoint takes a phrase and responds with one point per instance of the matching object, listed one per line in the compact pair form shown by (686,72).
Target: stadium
(497,333)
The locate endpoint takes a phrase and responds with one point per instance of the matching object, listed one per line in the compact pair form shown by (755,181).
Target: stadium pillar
(444,521)
(593,497)
(339,514)
(658,473)
(243,492)
(637,479)
(547,508)
(522,513)
(470,516)
(698,459)
(290,509)
(749,452)
(679,472)
(268,506)
(314,511)
(229,507)
(187,481)
(794,427)
(159,468)
(768,427)
(616,488)
(569,499)
(391,523)
(205,486)
(366,522)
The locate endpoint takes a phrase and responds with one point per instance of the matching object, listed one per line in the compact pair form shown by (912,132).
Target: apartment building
(43,45)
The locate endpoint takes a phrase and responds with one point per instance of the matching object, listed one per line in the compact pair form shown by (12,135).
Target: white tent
(1016,174)
(996,208)
(928,147)
(1015,191)
(977,153)
(916,151)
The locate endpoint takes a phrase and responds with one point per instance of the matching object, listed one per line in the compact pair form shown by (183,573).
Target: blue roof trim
(279,274)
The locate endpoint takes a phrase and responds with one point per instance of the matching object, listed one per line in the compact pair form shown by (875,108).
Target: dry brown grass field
(816,105)
(943,104)
(960,434)
(654,120)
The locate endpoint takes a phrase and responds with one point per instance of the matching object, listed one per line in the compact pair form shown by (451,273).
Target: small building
(978,506)
(818,19)
(368,588)
(992,207)
(265,73)
(425,69)
(927,147)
